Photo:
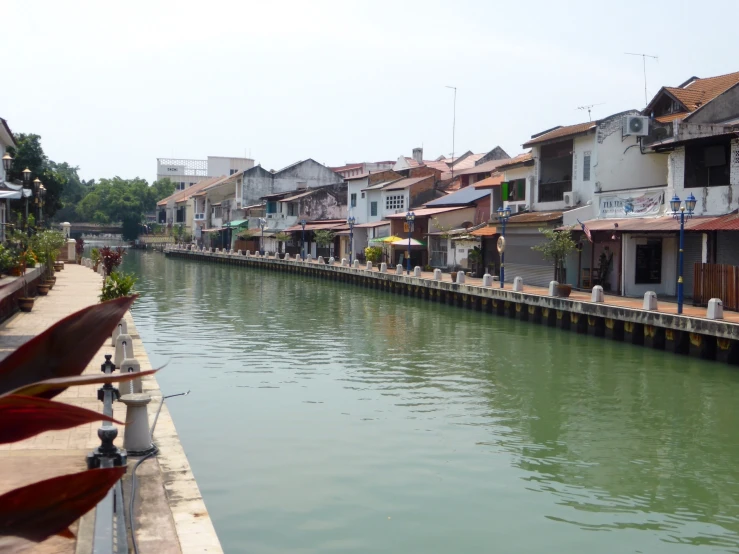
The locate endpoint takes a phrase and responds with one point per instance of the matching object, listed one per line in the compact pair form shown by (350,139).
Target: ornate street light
(680,212)
(351,220)
(503,215)
(26,176)
(302,246)
(410,217)
(262,225)
(42,195)
(7,162)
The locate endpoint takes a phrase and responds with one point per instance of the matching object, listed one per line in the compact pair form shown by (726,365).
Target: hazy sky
(111,86)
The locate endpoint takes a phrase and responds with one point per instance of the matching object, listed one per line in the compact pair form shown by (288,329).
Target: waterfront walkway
(170,513)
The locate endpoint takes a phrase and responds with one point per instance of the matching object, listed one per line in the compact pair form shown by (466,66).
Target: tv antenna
(588,107)
(644,65)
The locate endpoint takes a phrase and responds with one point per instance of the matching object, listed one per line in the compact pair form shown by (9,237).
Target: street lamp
(351,220)
(302,245)
(7,162)
(42,192)
(410,218)
(262,225)
(26,176)
(37,194)
(503,215)
(679,213)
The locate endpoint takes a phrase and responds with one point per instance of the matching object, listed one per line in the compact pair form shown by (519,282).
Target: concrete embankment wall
(680,334)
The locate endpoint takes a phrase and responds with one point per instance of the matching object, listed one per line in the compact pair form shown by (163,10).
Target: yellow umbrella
(391,238)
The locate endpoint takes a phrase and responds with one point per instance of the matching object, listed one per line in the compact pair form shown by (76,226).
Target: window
(362,195)
(271,207)
(232,171)
(707,165)
(515,190)
(354,200)
(180,215)
(217,211)
(181,186)
(649,262)
(586,166)
(162,216)
(373,208)
(396,202)
(292,208)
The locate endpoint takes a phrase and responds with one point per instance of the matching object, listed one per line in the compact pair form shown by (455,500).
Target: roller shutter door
(522,261)
(692,254)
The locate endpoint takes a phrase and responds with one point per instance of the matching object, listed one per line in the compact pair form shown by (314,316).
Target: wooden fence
(716,281)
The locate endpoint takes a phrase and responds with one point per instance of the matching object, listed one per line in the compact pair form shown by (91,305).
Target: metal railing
(554,192)
(109,535)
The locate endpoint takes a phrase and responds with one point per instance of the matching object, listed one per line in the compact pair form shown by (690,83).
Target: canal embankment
(170,514)
(616,318)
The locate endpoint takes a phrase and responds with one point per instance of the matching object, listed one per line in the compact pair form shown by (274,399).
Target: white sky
(111,86)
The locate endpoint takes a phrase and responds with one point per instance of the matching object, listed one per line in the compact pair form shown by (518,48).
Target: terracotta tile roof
(535,217)
(405,183)
(645,224)
(489,182)
(729,222)
(181,195)
(487,167)
(562,132)
(671,117)
(318,224)
(426,212)
(521,159)
(488,231)
(372,224)
(701,91)
(468,162)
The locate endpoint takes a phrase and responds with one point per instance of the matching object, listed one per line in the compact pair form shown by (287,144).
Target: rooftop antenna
(644,65)
(454,126)
(588,107)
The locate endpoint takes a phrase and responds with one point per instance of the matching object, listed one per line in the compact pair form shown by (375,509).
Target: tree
(74,191)
(29,154)
(324,238)
(555,249)
(282,238)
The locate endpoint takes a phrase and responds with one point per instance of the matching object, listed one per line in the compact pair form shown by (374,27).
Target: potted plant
(116,285)
(95,258)
(555,248)
(25,302)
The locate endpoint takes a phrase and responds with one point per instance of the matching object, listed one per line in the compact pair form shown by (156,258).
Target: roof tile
(562,132)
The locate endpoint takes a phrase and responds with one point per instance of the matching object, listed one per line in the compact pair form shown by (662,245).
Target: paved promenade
(170,513)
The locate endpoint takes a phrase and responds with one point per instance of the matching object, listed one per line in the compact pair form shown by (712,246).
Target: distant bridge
(79,229)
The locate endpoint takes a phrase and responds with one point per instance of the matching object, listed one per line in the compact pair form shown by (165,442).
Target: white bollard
(417,271)
(383,267)
(120,355)
(553,288)
(399,269)
(715,309)
(460,277)
(308,257)
(368,267)
(130,365)
(487,280)
(650,300)
(241,252)
(355,264)
(331,260)
(287,256)
(122,327)
(320,260)
(344,263)
(518,284)
(136,437)
(298,258)
(597,294)
(437,274)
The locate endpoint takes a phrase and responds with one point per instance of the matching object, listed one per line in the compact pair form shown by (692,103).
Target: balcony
(200,217)
(554,191)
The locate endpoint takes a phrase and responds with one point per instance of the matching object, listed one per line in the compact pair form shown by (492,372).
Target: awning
(641,224)
(213,230)
(485,232)
(237,223)
(10,194)
(405,242)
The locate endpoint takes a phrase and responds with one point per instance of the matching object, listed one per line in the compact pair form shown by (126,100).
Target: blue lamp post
(503,215)
(262,225)
(410,217)
(302,246)
(351,220)
(679,212)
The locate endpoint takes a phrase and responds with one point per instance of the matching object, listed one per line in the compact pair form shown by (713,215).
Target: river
(330,418)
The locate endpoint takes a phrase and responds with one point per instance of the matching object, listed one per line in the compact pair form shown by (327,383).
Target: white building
(186,173)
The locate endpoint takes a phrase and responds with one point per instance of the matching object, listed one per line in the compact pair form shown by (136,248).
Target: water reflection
(326,417)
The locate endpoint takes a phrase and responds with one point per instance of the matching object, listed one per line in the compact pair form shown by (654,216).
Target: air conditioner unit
(570,199)
(520,208)
(636,125)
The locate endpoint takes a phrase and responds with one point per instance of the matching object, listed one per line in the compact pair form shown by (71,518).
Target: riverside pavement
(170,514)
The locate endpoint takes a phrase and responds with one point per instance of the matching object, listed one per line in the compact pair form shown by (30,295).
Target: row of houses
(609,181)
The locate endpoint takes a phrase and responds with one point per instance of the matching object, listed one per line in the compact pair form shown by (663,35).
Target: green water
(329,418)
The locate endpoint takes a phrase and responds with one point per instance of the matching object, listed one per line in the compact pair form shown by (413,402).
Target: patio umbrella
(404,242)
(391,238)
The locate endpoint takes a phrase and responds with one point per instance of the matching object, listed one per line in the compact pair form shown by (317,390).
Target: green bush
(373,253)
(116,285)
(95,256)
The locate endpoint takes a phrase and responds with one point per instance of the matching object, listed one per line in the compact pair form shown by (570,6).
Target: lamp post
(679,212)
(351,220)
(262,225)
(409,218)
(503,215)
(37,199)
(302,241)
(42,192)
(7,162)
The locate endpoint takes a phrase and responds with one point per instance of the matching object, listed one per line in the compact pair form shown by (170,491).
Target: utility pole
(454,126)
(644,65)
